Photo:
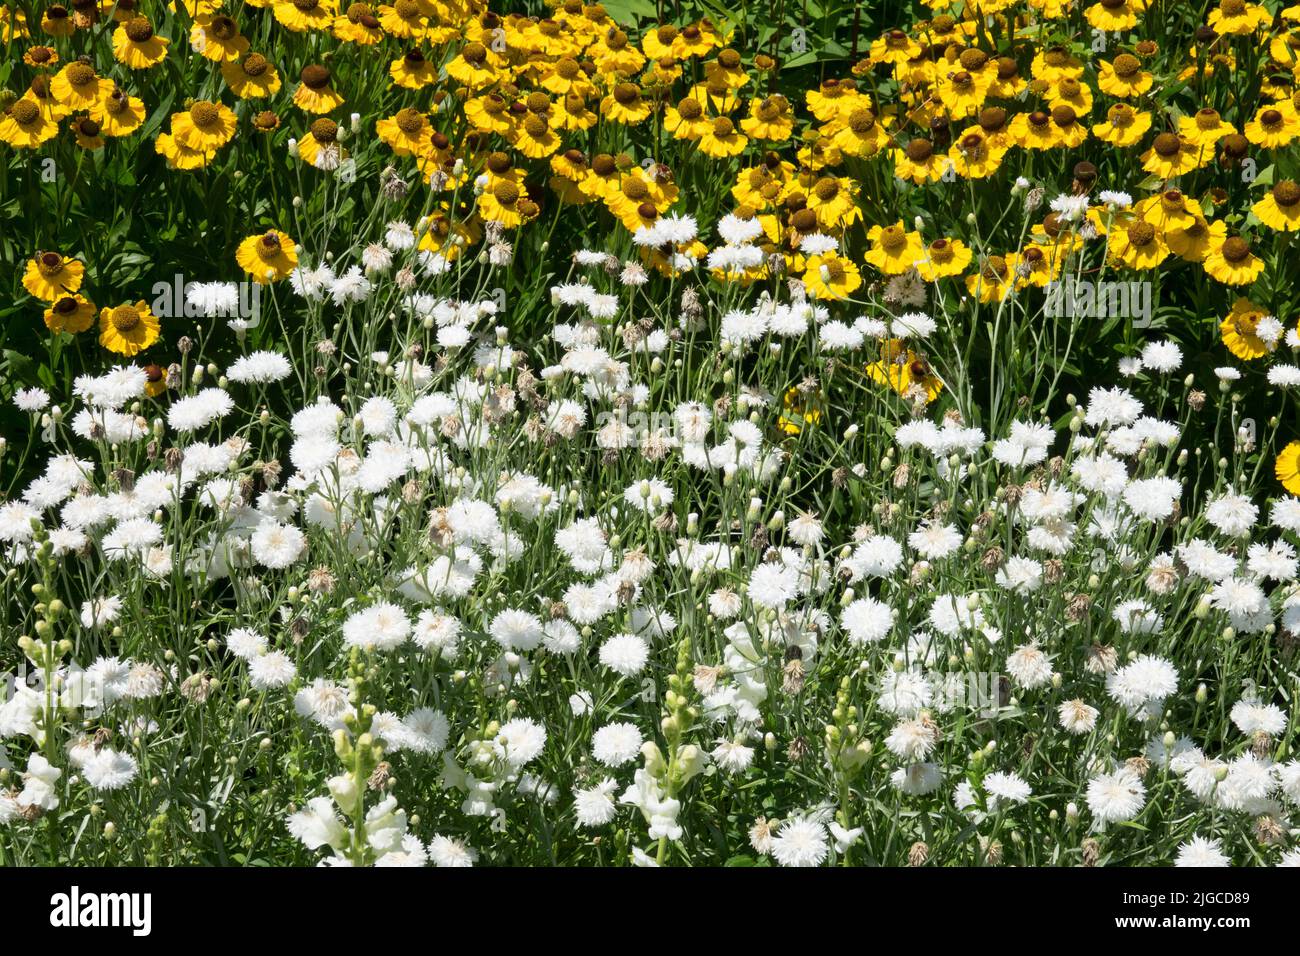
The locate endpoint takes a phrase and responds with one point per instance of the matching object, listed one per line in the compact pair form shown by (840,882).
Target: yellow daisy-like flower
(1054,64)
(41,56)
(303,15)
(905,372)
(78,87)
(218,38)
(1112,16)
(1205,128)
(358,25)
(251,78)
(57,21)
(894,47)
(87,133)
(412,71)
(893,249)
(963,93)
(831,276)
(314,94)
(1124,126)
(1237,18)
(1273,128)
(1124,77)
(178,155)
(722,139)
(798,410)
(1280,209)
(1170,209)
(475,66)
(1138,245)
(1287,467)
(943,257)
(25,125)
(993,282)
(917,162)
(535,138)
(771,119)
(1035,131)
(503,204)
(406,133)
(136,45)
(118,114)
(128,329)
(268,257)
(625,105)
(49,276)
(1238,331)
(320,147)
(1191,243)
(1169,156)
(405,19)
(205,126)
(976,155)
(70,313)
(1230,260)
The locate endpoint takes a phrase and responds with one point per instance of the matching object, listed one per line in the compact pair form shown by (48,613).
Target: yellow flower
(77,86)
(1123,77)
(41,56)
(535,138)
(268,257)
(504,204)
(943,257)
(893,249)
(358,25)
(1205,128)
(963,93)
(831,276)
(1170,210)
(1138,245)
(721,140)
(320,147)
(573,114)
(87,133)
(798,411)
(1280,209)
(404,19)
(727,70)
(1124,126)
(205,126)
(178,155)
(993,282)
(919,163)
(218,38)
(128,329)
(49,276)
(303,15)
(251,78)
(905,372)
(894,47)
(1238,331)
(975,155)
(1236,17)
(1169,156)
(1230,260)
(1273,128)
(70,313)
(1287,467)
(687,120)
(475,66)
(57,21)
(135,44)
(1055,63)
(314,94)
(1191,243)
(625,105)
(1111,16)
(25,125)
(770,119)
(118,114)
(1035,131)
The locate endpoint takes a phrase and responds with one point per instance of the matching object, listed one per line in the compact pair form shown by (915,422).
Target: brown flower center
(409,121)
(138,30)
(315,76)
(920,150)
(80,74)
(324,130)
(626,93)
(729,59)
(254,65)
(506,193)
(25,112)
(1286,193)
(1167,145)
(475,54)
(205,115)
(124,318)
(1141,234)
(1126,66)
(1207,119)
(723,127)
(1236,249)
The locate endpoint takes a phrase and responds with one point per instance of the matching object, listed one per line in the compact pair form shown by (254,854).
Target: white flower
(1115,797)
(800,842)
(616,744)
(1199,851)
(625,654)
